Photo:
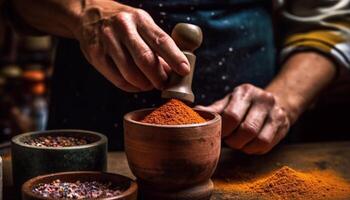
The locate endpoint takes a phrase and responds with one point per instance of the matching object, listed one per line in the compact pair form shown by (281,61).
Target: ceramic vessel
(30,161)
(128,185)
(173,161)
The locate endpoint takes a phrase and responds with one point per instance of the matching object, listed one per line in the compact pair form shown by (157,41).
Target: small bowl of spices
(173,150)
(80,185)
(44,152)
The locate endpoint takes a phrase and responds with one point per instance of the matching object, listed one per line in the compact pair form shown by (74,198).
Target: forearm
(302,78)
(57,17)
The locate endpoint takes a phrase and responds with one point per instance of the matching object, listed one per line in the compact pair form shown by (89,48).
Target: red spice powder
(174,112)
(288,184)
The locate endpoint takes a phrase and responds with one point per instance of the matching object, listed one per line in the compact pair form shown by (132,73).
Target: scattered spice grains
(76,190)
(174,112)
(286,183)
(55,141)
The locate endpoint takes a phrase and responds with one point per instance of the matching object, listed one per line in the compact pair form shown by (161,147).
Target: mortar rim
(128,118)
(102,139)
(133,187)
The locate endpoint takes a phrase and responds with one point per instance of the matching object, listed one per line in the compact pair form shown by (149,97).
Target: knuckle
(234,117)
(268,98)
(236,90)
(249,128)
(243,90)
(246,91)
(122,19)
(146,58)
(247,86)
(162,39)
(280,114)
(141,14)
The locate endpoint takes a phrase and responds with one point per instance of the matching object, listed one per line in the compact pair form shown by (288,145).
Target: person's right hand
(126,46)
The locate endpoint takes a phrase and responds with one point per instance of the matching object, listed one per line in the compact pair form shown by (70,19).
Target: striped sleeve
(320,25)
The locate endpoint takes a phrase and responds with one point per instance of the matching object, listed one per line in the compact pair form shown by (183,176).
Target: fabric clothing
(320,25)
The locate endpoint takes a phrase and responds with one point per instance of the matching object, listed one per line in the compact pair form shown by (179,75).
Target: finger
(103,64)
(264,141)
(164,45)
(235,111)
(217,106)
(249,128)
(282,129)
(123,61)
(165,66)
(272,133)
(281,133)
(143,56)
(111,72)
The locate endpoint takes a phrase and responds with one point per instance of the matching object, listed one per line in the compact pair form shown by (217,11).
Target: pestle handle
(188,37)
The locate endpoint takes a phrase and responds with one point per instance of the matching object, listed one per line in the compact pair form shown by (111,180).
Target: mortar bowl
(29,161)
(128,186)
(173,161)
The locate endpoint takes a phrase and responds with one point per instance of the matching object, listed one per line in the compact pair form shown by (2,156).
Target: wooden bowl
(29,161)
(129,185)
(173,161)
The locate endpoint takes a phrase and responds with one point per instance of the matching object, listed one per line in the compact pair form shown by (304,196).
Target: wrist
(291,103)
(302,78)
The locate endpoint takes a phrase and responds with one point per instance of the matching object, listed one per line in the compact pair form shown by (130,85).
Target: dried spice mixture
(288,184)
(77,190)
(174,112)
(55,141)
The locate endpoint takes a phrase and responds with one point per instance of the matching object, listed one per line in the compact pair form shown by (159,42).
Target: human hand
(252,119)
(126,46)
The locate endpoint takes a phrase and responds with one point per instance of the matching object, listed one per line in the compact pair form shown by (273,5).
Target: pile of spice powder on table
(77,190)
(174,112)
(286,184)
(55,141)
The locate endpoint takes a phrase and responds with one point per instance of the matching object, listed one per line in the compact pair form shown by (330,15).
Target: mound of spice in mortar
(286,183)
(76,190)
(55,141)
(174,112)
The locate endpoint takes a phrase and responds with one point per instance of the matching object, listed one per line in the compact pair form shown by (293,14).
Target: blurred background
(25,71)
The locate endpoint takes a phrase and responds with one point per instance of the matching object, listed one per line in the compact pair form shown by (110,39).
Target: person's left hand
(253,121)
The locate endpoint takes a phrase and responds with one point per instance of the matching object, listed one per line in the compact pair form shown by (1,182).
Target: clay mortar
(173,161)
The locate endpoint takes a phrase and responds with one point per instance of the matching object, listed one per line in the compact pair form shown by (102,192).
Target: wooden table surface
(304,157)
(335,156)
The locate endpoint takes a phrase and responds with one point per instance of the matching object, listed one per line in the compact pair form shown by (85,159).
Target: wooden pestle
(188,37)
